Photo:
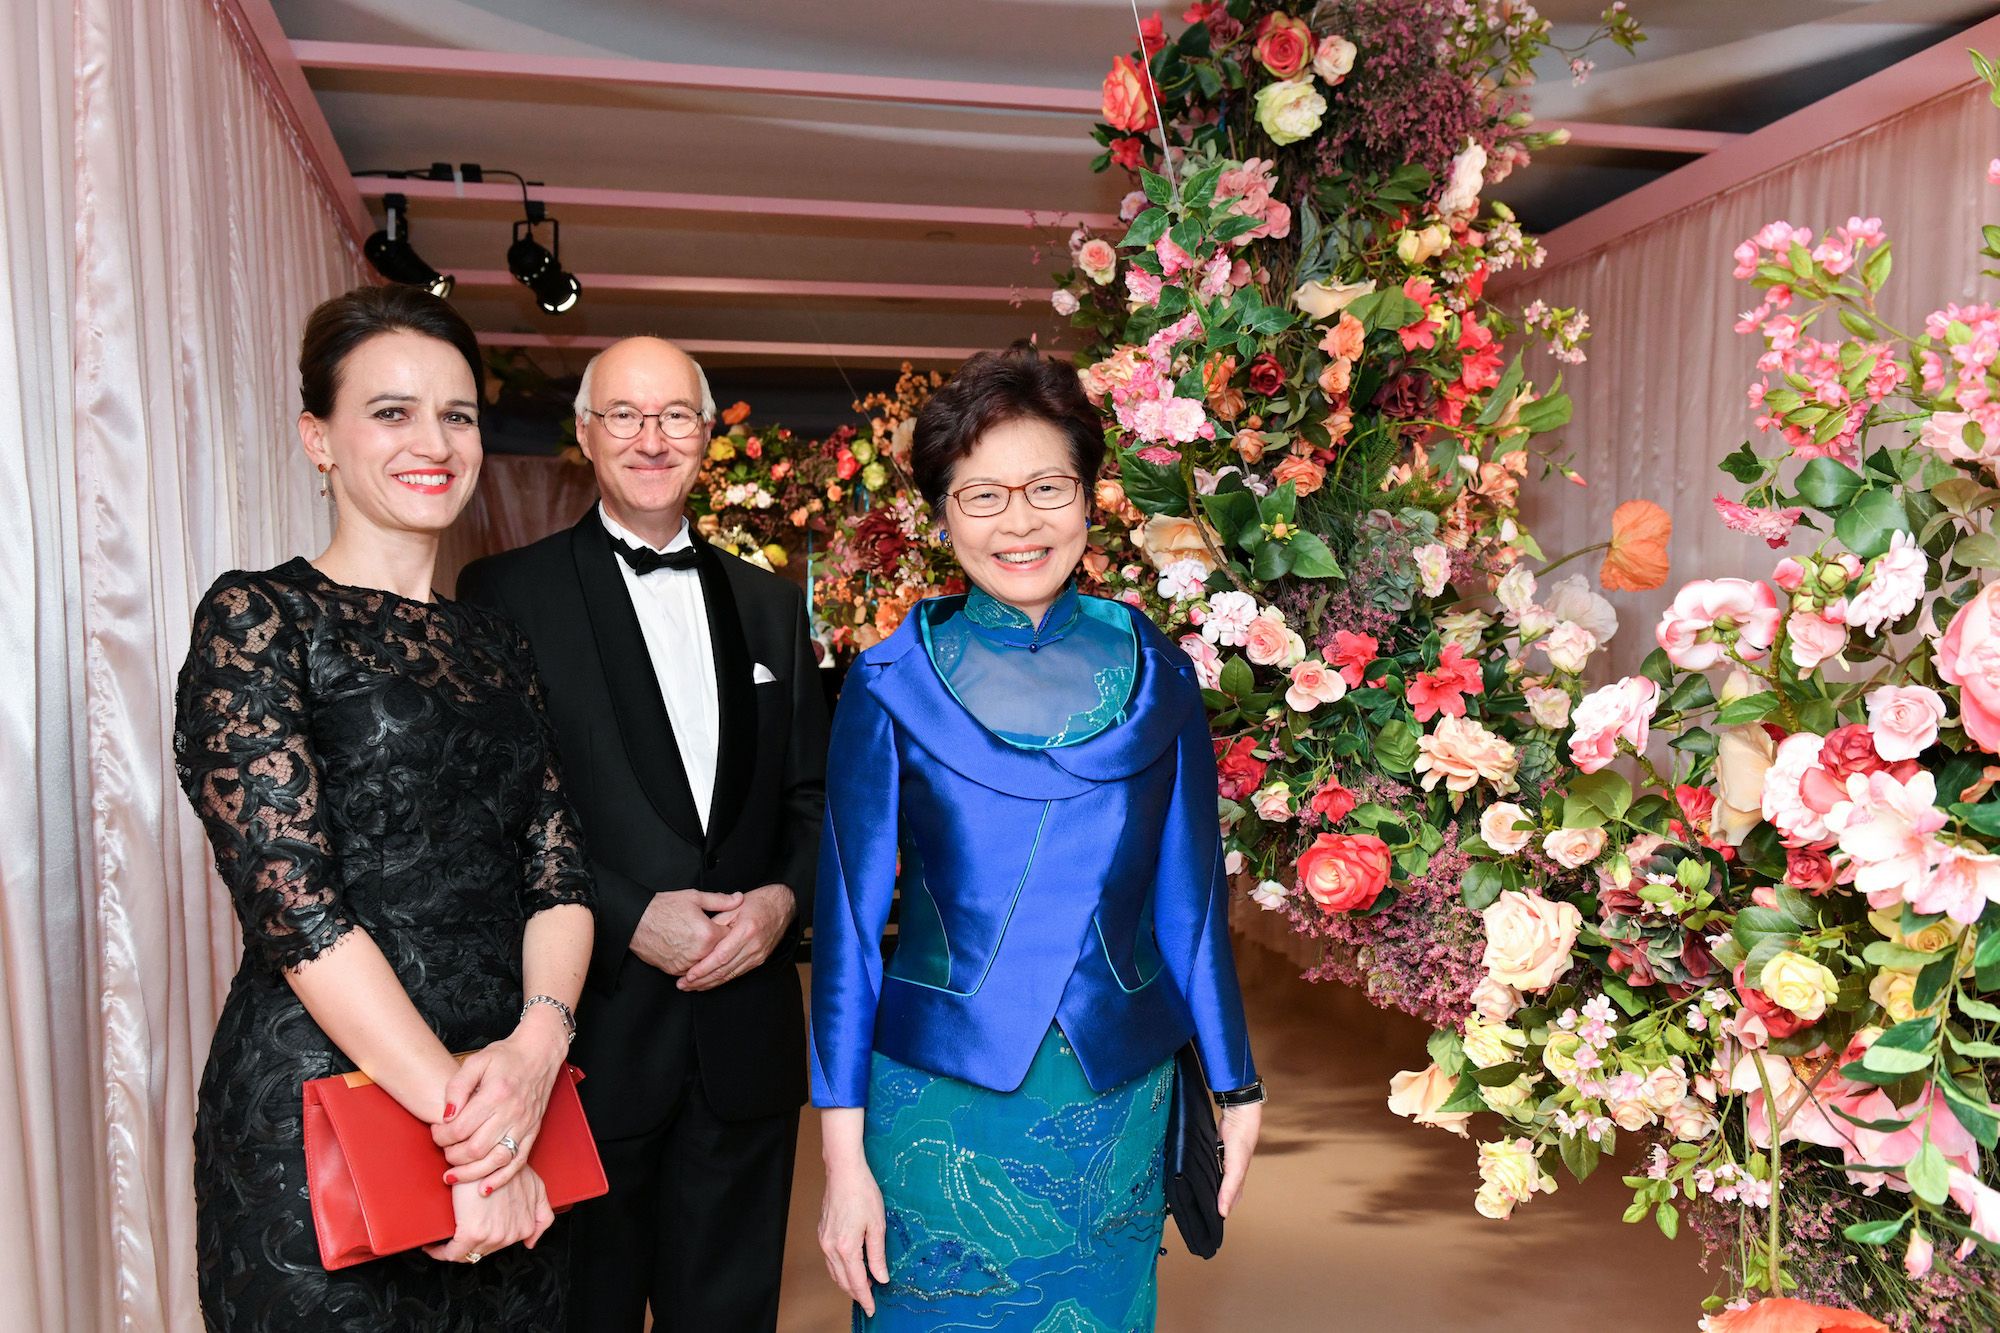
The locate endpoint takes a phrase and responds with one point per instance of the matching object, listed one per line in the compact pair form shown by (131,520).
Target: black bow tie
(644,559)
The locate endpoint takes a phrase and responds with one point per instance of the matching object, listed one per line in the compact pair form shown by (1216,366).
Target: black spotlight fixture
(390,251)
(539,268)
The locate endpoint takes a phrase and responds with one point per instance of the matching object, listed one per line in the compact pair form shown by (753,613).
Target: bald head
(644,352)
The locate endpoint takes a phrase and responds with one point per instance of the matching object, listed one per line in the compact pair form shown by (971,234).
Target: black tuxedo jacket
(642,829)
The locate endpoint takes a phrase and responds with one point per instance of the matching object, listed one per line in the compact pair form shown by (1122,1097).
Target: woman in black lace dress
(374,770)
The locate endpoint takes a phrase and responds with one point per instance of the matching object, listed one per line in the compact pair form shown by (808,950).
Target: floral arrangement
(1776,956)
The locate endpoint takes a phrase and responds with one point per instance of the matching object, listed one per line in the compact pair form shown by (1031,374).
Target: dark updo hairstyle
(991,389)
(336,327)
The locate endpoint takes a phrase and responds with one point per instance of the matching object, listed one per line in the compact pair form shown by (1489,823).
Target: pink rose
(1273,804)
(1969,657)
(1812,638)
(1904,719)
(1961,886)
(1207,661)
(1496,826)
(1313,683)
(1461,753)
(1605,716)
(1266,641)
(1416,1095)
(1098,260)
(1549,706)
(1528,939)
(1574,848)
(1895,585)
(1708,615)
(1887,829)
(1789,574)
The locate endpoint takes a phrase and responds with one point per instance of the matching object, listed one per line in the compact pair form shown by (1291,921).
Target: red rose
(753,447)
(1129,153)
(1849,751)
(880,540)
(1222,29)
(1152,33)
(845,464)
(1808,870)
(1333,803)
(1128,97)
(1284,45)
(1238,770)
(1345,872)
(1779,1021)
(1267,377)
(1404,394)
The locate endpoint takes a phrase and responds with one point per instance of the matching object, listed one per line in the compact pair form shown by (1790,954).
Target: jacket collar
(908,687)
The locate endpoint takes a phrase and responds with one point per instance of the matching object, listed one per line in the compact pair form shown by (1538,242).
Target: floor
(1356,1220)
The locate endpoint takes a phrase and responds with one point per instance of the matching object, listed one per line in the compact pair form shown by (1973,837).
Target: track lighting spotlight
(390,251)
(540,269)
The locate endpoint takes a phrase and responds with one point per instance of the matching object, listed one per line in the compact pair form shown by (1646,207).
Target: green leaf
(1271,562)
(1545,414)
(1157,187)
(1199,190)
(1750,708)
(1875,1233)
(1982,818)
(1396,746)
(1692,693)
(1235,516)
(1311,557)
(1464,1096)
(1580,1154)
(1929,1175)
(1743,464)
(1978,1009)
(1236,680)
(1886,953)
(1447,1052)
(1973,1112)
(1828,484)
(1932,981)
(1866,525)
(1604,790)
(1658,668)
(1701,741)
(1481,885)
(1668,1218)
(1154,487)
(1147,228)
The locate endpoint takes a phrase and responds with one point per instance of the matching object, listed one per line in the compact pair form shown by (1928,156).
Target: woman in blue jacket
(1031,769)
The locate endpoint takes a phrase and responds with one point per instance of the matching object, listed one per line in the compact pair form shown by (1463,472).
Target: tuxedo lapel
(636,700)
(735,695)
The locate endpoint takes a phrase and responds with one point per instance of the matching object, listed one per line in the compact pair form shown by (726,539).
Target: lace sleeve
(244,752)
(553,870)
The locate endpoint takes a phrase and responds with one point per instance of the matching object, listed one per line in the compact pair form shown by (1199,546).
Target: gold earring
(323,481)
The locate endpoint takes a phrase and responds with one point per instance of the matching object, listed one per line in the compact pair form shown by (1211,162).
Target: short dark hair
(336,327)
(991,389)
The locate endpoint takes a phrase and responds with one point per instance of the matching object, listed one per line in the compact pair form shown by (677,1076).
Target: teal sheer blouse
(1034,686)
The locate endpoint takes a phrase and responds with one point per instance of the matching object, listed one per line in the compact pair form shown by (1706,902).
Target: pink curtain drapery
(162,245)
(1662,398)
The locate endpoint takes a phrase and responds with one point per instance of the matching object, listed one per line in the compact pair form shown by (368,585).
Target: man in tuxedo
(691,726)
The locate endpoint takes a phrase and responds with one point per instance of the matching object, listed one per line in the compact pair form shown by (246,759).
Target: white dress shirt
(673,615)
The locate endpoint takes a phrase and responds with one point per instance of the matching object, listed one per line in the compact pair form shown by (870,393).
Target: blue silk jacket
(1081,884)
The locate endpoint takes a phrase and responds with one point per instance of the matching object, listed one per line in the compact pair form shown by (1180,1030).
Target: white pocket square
(761,675)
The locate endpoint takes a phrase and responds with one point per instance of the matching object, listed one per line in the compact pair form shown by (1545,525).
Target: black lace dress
(360,760)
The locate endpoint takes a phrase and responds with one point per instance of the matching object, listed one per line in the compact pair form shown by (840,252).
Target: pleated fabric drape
(161,242)
(1662,398)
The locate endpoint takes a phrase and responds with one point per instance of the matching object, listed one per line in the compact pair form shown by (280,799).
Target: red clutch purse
(376,1179)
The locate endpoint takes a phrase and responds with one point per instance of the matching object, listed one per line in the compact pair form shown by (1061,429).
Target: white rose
(1463,181)
(1289,110)
(1574,848)
(1573,599)
(1569,646)
(1324,300)
(1433,567)
(1463,628)
(1516,592)
(1495,1001)
(1064,300)
(1512,1099)
(1549,706)
(1528,939)
(1489,1044)
(1333,59)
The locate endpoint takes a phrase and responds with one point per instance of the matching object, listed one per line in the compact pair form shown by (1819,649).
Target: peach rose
(1574,848)
(1098,260)
(1345,872)
(1460,753)
(1743,755)
(1495,1001)
(1417,1094)
(1528,939)
(1128,99)
(1333,380)
(1303,473)
(1904,720)
(1268,641)
(1345,339)
(1313,683)
(1273,804)
(1167,537)
(1690,1119)
(1496,826)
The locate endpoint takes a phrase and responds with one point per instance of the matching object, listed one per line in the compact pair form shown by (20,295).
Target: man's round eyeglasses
(984,499)
(625,423)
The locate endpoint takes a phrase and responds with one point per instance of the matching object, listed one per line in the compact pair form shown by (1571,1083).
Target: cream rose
(1166,538)
(1548,706)
(1574,848)
(1528,939)
(1743,755)
(1324,300)
(1495,1001)
(1690,1119)
(1895,989)
(1273,804)
(1631,1114)
(1664,1086)
(1496,826)
(1509,1175)
(1559,1056)
(1799,984)
(1931,939)
(1289,109)
(1333,59)
(1489,1044)
(1512,1100)
(1460,753)
(1416,1095)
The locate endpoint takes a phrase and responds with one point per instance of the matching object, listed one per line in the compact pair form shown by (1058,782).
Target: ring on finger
(513,1148)
(473,1256)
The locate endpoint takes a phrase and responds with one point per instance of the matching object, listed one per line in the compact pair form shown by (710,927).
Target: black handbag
(1194,1159)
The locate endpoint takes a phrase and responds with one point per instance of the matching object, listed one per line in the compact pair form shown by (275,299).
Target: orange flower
(1637,560)
(1345,338)
(1333,380)
(1785,1315)
(1249,445)
(735,412)
(1338,423)
(1128,97)
(1303,473)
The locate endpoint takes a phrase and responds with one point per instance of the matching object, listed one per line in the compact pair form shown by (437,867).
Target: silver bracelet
(568,1018)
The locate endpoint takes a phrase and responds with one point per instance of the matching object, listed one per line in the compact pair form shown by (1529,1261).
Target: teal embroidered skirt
(1038,1209)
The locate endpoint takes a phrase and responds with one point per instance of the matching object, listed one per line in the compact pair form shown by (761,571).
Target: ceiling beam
(790,351)
(1936,71)
(1639,138)
(279,68)
(436,60)
(784,287)
(667,201)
